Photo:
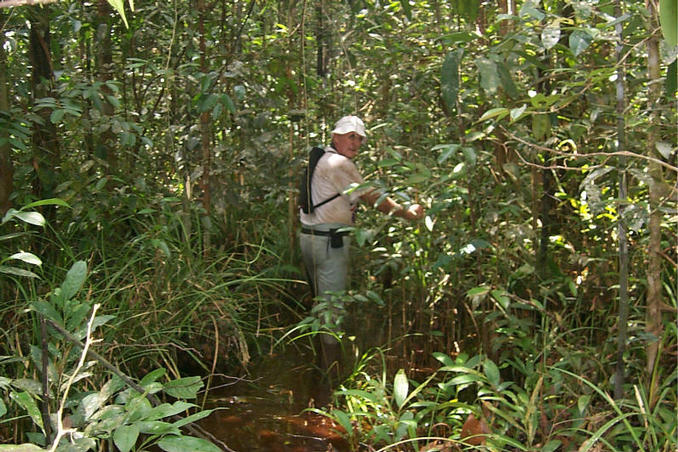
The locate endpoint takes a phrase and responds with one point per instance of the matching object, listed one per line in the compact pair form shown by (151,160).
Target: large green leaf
(449,78)
(668,18)
(489,77)
(28,403)
(126,437)
(75,278)
(184,388)
(580,39)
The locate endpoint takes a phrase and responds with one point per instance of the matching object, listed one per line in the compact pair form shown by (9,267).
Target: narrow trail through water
(266,411)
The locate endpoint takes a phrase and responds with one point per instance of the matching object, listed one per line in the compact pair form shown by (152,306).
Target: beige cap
(350,124)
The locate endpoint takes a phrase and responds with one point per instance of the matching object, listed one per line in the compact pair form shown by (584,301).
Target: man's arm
(391,207)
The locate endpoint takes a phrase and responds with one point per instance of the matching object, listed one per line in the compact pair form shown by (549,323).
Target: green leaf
(491,372)
(119,6)
(551,446)
(57,116)
(343,419)
(183,443)
(489,77)
(75,278)
(125,437)
(152,376)
(48,311)
(47,202)
(21,448)
(3,408)
(166,409)
(34,218)
(550,35)
(506,80)
(400,387)
(184,388)
(541,126)
(158,428)
(449,78)
(25,401)
(478,291)
(17,272)
(498,113)
(192,418)
(668,19)
(29,258)
(407,8)
(579,41)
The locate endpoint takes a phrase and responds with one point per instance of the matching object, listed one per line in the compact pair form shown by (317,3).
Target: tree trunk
(654,285)
(205,134)
(6,167)
(103,69)
(46,155)
(621,226)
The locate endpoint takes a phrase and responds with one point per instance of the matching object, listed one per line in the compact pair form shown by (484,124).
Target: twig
(61,432)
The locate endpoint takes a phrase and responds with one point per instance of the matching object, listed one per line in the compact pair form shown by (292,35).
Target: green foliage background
(179,131)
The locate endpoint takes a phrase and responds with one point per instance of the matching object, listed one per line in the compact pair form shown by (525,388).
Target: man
(324,248)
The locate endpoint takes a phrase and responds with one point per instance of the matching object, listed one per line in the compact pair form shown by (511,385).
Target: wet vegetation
(149,153)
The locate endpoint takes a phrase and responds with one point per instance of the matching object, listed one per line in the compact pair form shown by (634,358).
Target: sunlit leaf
(119,6)
(29,258)
(550,35)
(9,270)
(400,388)
(34,218)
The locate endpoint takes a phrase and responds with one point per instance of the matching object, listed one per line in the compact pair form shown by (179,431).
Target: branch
(12,3)
(591,154)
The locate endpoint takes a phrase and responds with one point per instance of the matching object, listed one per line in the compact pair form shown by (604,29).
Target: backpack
(305,202)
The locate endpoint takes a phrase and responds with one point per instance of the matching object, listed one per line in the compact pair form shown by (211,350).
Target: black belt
(336,237)
(329,233)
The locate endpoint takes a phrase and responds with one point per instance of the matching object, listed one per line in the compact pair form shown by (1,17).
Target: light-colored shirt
(334,174)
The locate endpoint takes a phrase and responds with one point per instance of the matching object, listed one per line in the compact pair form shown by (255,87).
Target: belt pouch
(336,239)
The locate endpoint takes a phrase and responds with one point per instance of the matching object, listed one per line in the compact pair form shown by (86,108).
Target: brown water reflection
(266,411)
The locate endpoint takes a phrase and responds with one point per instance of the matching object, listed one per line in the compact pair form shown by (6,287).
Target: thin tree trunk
(46,155)
(654,286)
(6,167)
(621,225)
(205,144)
(103,69)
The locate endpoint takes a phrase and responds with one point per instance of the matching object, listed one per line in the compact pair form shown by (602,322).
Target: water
(266,411)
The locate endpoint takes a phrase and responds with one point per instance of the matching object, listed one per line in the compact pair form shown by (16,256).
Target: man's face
(347,144)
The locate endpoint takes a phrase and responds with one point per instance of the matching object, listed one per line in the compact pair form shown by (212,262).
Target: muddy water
(265,411)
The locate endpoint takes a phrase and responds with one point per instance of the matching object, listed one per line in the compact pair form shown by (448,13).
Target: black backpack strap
(315,206)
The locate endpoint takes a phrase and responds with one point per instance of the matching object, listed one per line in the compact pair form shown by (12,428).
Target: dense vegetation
(148,159)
